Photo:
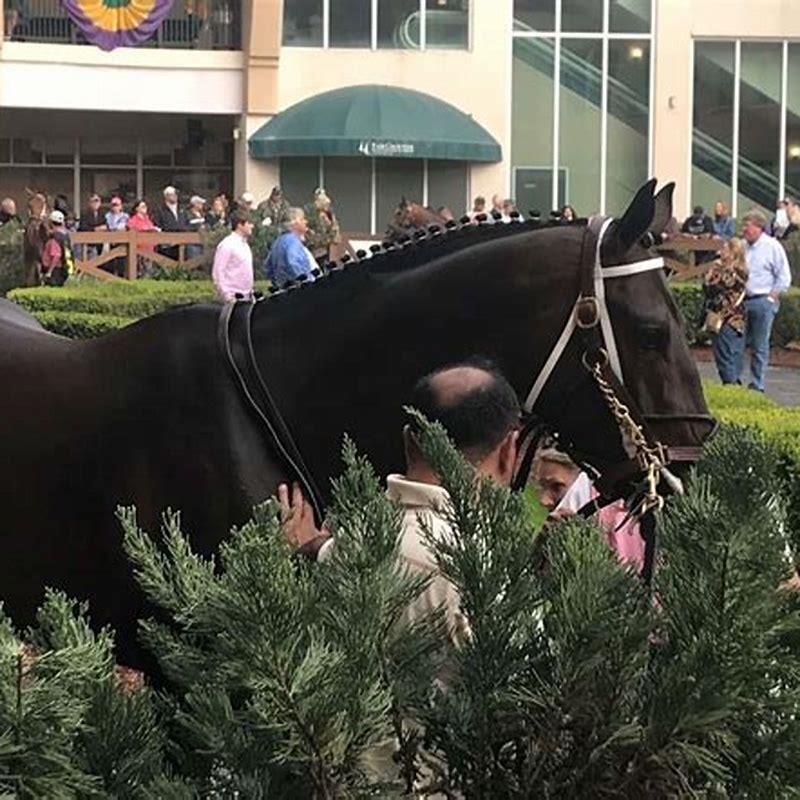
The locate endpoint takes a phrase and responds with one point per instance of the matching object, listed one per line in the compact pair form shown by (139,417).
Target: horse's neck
(352,370)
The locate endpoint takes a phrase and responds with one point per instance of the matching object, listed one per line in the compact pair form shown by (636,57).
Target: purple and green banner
(117,23)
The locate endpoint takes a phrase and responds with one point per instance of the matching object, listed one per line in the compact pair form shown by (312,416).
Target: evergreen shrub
(308,681)
(12,262)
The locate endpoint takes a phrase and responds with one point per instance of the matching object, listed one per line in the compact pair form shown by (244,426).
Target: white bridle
(601,274)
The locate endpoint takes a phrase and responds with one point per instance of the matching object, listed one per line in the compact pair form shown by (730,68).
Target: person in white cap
(57,262)
(246,202)
(196,222)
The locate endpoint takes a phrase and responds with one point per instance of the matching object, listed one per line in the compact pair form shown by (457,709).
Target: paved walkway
(783,384)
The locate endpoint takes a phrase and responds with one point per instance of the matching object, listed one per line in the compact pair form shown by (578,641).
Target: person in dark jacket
(700,224)
(92,219)
(169,218)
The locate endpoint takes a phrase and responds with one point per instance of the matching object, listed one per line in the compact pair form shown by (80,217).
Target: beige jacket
(423,501)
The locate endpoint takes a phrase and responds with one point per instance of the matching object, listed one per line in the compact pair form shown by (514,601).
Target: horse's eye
(653,336)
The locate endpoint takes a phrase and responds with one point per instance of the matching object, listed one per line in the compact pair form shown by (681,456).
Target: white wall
(86,78)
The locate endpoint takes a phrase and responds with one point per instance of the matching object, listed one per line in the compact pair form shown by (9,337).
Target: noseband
(647,464)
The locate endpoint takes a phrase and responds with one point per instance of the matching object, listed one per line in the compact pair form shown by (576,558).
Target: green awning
(374,121)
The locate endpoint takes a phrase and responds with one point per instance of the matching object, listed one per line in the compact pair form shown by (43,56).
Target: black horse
(151,415)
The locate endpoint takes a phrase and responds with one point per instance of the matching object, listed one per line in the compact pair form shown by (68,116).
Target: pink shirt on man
(233,267)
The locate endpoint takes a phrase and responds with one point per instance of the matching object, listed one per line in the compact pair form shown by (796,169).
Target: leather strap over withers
(256,394)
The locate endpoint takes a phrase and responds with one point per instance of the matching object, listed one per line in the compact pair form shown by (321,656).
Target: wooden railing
(691,245)
(131,246)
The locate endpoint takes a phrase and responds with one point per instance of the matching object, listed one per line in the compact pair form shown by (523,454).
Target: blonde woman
(563,489)
(725,284)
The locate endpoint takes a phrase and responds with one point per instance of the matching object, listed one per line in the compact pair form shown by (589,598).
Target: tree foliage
(285,679)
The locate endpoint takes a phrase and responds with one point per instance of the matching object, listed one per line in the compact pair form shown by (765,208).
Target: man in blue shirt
(289,259)
(769,277)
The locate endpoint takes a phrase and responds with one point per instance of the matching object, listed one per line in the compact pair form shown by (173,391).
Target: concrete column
(253,174)
(672,99)
(262,41)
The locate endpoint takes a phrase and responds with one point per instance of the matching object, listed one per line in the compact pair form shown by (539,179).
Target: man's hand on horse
(297,518)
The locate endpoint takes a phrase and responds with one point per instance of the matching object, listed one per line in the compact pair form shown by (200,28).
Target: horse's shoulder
(14,316)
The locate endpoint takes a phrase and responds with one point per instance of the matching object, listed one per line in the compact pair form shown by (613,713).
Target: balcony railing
(195,24)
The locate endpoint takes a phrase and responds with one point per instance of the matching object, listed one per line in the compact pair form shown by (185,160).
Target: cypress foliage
(67,729)
(293,680)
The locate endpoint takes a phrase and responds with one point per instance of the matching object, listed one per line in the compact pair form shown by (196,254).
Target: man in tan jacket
(480,412)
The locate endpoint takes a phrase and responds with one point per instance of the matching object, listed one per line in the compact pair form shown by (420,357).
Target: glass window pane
(628,121)
(108,150)
(351,23)
(28,151)
(396,179)
(579,125)
(114,182)
(759,125)
(793,124)
(532,124)
(60,151)
(398,24)
(299,178)
(5,151)
(348,182)
(447,186)
(157,152)
(302,23)
(582,16)
(537,15)
(447,24)
(629,16)
(52,181)
(712,135)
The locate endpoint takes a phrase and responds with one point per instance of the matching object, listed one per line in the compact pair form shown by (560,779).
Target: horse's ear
(636,220)
(663,212)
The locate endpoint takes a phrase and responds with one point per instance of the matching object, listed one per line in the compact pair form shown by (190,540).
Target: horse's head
(656,362)
(627,364)
(37,204)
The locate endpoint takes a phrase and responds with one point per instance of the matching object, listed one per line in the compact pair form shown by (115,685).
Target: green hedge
(689,298)
(134,299)
(80,325)
(779,425)
(86,309)
(12,265)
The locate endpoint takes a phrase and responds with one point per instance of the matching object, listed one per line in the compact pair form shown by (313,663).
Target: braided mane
(415,250)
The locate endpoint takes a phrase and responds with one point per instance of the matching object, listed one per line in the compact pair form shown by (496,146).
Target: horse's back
(13,316)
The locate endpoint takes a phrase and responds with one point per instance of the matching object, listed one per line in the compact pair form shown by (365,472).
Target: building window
(581,118)
(712,137)
(195,154)
(535,15)
(627,163)
(746,131)
(366,191)
(302,23)
(377,24)
(447,186)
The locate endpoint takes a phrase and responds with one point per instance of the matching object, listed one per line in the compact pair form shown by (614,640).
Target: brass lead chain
(650,458)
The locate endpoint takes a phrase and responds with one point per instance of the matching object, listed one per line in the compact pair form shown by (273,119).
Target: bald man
(480,412)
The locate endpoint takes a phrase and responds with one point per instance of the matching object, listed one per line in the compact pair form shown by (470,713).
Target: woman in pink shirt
(139,220)
(564,490)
